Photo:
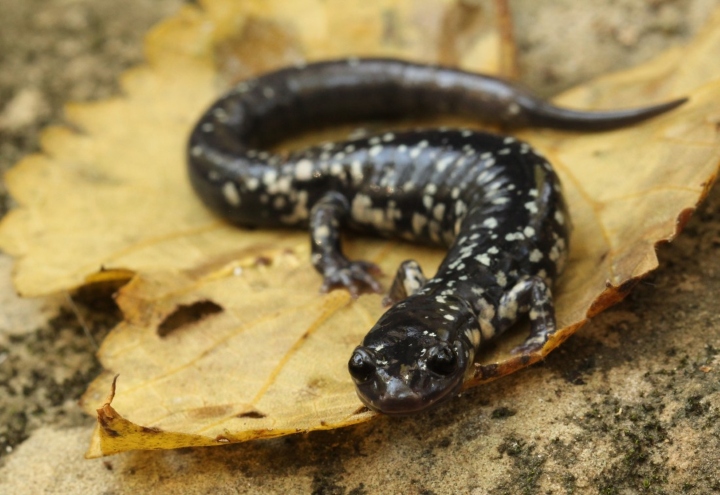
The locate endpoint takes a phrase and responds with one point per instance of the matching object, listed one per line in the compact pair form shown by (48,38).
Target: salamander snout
(400,379)
(416,356)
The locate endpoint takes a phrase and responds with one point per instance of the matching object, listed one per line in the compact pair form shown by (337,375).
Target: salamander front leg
(327,256)
(531,296)
(408,281)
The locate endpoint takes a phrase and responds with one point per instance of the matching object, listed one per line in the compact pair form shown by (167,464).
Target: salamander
(494,202)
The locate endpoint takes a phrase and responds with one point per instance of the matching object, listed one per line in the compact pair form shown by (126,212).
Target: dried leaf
(115,195)
(226,338)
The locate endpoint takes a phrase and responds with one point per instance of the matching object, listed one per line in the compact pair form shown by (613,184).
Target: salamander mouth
(408,402)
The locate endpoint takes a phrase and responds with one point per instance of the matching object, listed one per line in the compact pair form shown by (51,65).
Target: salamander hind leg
(533,297)
(327,256)
(408,281)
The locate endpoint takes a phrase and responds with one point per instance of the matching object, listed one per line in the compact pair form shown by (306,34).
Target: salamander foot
(356,276)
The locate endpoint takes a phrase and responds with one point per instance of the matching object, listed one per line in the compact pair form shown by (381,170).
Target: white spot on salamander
(490,223)
(439,211)
(303,170)
(269,177)
(535,256)
(252,183)
(531,206)
(508,311)
(483,259)
(336,169)
(514,236)
(220,114)
(322,232)
(300,212)
(427,201)
(375,150)
(418,222)
(356,170)
(231,194)
(473,335)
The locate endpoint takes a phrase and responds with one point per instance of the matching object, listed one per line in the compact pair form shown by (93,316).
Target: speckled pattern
(492,200)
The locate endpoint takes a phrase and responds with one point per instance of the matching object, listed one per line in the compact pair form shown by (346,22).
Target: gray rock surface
(630,404)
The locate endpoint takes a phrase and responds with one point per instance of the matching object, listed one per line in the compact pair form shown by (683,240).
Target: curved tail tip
(598,120)
(674,103)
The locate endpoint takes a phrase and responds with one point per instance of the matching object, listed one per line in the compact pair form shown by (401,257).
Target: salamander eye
(361,365)
(442,359)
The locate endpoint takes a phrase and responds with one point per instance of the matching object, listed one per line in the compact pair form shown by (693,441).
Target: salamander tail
(543,114)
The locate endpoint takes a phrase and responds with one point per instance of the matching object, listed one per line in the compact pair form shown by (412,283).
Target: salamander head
(415,357)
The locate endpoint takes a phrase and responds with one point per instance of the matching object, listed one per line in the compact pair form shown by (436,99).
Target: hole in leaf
(263,261)
(98,290)
(251,414)
(187,314)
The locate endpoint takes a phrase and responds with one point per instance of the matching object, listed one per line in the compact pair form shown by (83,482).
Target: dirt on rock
(630,404)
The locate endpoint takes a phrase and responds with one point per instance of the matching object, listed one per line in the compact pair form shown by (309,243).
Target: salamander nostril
(361,365)
(442,359)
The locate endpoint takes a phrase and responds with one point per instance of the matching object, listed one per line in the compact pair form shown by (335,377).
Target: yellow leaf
(226,337)
(115,194)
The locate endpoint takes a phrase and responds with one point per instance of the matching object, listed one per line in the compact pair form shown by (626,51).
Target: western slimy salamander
(492,200)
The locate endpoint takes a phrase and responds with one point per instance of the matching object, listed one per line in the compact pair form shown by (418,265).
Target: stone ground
(628,405)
